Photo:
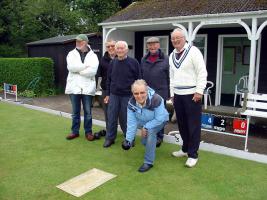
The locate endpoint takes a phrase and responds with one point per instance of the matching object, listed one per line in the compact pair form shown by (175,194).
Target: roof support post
(252,56)
(103,39)
(194,33)
(260,29)
(190,32)
(105,36)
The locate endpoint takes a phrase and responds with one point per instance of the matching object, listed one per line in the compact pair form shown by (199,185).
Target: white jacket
(81,77)
(188,75)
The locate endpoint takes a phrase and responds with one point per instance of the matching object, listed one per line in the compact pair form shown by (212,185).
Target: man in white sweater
(82,64)
(188,79)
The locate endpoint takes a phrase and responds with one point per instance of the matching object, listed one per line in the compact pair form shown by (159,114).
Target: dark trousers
(188,115)
(117,108)
(76,100)
(160,134)
(105,106)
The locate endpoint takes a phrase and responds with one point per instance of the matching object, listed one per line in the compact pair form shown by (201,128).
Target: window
(164,44)
(229,60)
(201,43)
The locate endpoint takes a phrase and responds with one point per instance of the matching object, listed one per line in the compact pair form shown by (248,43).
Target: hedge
(22,72)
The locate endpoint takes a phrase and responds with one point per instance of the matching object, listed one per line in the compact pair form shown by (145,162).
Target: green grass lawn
(35,157)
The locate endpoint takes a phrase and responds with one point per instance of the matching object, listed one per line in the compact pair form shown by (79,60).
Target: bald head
(121,49)
(178,39)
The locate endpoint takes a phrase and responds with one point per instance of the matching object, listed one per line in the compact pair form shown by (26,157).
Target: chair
(241,87)
(207,93)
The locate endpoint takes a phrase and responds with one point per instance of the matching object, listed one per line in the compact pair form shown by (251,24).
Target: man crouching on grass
(145,111)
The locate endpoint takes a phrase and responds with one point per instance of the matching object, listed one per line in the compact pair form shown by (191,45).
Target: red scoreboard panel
(240,126)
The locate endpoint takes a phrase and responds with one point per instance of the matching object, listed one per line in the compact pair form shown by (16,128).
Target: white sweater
(81,77)
(188,75)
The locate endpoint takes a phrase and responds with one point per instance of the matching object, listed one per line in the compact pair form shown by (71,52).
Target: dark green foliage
(24,21)
(23,71)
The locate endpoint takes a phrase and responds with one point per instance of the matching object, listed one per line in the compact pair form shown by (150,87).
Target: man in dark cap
(155,71)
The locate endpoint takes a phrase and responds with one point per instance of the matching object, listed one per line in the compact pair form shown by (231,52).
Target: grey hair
(121,42)
(179,30)
(139,82)
(110,40)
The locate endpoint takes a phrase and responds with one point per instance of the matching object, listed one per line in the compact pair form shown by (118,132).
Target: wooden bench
(253,105)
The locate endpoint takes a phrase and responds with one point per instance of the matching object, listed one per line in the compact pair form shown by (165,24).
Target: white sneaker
(179,154)
(191,162)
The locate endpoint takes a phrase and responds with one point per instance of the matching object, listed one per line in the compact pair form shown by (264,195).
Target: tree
(24,21)
(10,26)
(95,11)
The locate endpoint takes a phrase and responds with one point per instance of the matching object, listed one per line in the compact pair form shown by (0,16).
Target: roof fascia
(192,18)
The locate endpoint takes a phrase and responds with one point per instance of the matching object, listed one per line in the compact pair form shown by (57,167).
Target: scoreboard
(224,124)
(10,89)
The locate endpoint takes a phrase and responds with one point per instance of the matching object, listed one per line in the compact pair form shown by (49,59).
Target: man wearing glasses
(104,65)
(145,111)
(188,79)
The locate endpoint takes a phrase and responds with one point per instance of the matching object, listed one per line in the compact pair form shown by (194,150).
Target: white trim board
(168,138)
(221,17)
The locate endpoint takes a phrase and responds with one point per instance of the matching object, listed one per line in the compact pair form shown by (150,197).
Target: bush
(27,93)
(36,74)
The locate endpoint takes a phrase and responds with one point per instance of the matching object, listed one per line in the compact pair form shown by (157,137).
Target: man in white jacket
(82,64)
(188,79)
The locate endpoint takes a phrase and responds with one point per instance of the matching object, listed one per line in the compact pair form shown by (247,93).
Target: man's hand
(126,145)
(106,99)
(171,99)
(144,132)
(197,97)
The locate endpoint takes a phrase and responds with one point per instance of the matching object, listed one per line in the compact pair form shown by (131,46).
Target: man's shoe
(89,136)
(108,143)
(145,167)
(191,162)
(159,141)
(103,132)
(179,154)
(72,136)
(97,135)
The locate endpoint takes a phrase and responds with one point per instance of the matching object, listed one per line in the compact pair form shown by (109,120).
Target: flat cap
(152,40)
(82,37)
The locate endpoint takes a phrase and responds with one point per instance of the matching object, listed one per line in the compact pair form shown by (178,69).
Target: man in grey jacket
(82,64)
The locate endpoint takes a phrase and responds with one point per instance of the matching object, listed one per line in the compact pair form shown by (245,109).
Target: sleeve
(168,75)
(74,63)
(131,125)
(108,82)
(171,72)
(201,71)
(160,116)
(139,70)
(91,66)
(99,70)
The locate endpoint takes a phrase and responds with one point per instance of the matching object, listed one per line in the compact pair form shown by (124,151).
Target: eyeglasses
(139,93)
(176,38)
(109,46)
